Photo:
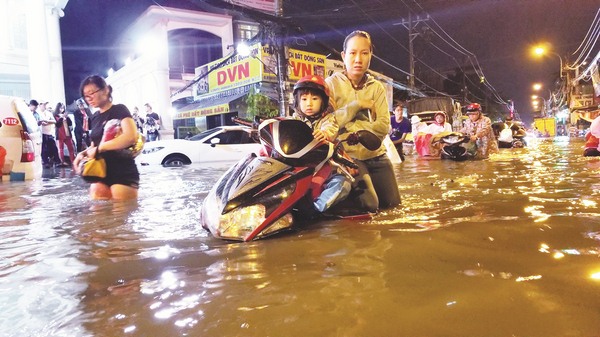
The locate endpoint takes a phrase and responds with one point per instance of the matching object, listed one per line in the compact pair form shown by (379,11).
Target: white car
(223,143)
(20,141)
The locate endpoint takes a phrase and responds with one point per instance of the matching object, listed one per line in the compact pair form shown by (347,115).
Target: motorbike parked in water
(512,136)
(263,195)
(454,146)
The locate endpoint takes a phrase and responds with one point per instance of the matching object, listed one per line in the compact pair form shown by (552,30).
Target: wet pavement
(508,246)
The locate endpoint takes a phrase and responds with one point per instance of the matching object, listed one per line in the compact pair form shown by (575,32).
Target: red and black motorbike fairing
(255,198)
(592,143)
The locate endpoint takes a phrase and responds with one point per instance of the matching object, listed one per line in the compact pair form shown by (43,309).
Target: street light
(547,103)
(542,50)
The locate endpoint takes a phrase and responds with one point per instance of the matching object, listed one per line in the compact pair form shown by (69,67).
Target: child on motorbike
(439,128)
(311,105)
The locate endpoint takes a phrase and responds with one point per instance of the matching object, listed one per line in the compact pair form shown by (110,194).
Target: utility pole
(411,26)
(282,62)
(568,84)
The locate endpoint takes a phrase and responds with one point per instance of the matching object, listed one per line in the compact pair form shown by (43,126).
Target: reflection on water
(503,247)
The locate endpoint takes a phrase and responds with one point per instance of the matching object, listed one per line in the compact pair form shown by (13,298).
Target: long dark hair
(98,81)
(59,105)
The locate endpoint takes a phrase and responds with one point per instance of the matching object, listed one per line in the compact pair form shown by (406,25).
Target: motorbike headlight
(240,222)
(243,222)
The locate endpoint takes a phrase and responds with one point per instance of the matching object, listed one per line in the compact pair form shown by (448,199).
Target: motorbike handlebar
(341,160)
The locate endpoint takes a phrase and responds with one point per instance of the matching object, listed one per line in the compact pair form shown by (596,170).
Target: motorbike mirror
(368,140)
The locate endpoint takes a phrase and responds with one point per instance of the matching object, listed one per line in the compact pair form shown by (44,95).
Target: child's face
(310,104)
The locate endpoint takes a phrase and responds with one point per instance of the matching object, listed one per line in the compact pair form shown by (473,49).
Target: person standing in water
(361,104)
(122,176)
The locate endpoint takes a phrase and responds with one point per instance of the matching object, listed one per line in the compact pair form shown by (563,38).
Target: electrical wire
(471,56)
(591,35)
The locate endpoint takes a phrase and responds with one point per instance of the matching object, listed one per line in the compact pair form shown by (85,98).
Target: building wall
(30,49)
(146,78)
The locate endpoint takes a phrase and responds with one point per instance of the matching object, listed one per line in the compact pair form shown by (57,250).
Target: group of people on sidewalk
(62,130)
(58,131)
(148,126)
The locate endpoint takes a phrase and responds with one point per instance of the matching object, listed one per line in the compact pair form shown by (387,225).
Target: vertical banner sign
(300,64)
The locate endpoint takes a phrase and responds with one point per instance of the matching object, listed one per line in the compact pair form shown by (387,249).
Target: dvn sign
(233,74)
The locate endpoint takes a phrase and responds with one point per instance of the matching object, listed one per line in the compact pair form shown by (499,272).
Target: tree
(260,105)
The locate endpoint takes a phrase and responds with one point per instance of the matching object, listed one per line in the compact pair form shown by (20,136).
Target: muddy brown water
(508,246)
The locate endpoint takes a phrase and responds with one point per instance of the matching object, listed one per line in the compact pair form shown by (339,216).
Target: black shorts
(121,171)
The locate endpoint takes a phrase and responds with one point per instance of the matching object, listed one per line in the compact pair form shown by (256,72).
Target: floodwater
(508,246)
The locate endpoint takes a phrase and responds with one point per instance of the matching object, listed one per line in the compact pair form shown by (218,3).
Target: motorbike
(510,137)
(264,195)
(454,146)
(512,142)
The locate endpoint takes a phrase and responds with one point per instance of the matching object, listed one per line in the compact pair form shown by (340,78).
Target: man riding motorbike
(479,129)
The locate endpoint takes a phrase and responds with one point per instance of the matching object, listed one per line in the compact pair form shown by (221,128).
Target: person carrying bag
(115,139)
(93,169)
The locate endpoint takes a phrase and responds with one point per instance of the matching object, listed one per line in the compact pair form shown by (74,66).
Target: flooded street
(508,246)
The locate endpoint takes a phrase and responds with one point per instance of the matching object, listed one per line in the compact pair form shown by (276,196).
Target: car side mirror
(214,142)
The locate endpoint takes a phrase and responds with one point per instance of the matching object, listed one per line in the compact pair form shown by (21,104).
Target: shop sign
(236,72)
(300,64)
(204,111)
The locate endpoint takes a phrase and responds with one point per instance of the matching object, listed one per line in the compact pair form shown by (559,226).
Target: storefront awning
(207,107)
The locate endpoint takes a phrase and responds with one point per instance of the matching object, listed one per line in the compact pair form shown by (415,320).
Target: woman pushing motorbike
(479,129)
(361,104)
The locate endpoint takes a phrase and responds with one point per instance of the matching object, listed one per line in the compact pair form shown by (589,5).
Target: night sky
(498,32)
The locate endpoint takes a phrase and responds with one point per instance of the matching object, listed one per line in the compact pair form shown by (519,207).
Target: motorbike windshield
(291,141)
(290,136)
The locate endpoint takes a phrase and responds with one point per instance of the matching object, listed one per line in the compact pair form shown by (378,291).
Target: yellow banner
(199,112)
(300,64)
(236,74)
(261,65)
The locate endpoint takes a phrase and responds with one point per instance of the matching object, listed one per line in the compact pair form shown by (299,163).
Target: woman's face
(94,96)
(357,56)
(440,118)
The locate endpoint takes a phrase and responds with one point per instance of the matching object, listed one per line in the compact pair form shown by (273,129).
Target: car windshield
(233,137)
(204,134)
(26,117)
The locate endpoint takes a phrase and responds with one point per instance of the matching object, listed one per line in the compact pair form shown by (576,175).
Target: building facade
(31,50)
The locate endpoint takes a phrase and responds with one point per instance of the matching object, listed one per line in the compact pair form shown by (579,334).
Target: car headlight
(152,149)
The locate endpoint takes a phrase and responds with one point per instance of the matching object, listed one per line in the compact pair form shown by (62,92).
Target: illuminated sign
(300,64)
(261,65)
(223,75)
